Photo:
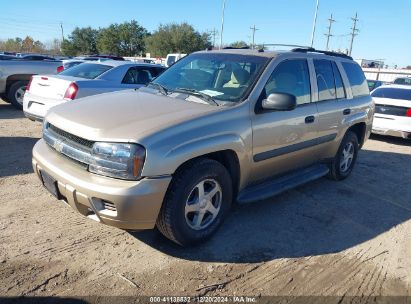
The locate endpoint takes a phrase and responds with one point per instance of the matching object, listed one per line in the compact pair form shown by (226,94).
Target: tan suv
(215,128)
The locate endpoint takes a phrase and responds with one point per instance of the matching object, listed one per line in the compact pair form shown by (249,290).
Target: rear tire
(16,93)
(344,161)
(197,201)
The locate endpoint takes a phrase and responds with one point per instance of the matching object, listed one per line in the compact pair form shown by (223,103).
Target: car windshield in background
(393,93)
(224,77)
(86,70)
(406,81)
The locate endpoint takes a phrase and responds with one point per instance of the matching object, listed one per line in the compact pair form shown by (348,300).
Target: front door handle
(309,119)
(347,112)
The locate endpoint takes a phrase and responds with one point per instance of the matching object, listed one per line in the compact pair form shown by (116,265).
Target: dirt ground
(351,238)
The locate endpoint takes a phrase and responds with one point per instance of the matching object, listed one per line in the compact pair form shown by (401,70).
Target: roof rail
(287,45)
(236,48)
(313,50)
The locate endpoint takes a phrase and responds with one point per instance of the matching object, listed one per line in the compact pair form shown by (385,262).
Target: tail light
(60,69)
(29,84)
(408,113)
(71,91)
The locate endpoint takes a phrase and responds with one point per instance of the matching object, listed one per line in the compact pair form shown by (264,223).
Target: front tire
(16,93)
(344,161)
(197,201)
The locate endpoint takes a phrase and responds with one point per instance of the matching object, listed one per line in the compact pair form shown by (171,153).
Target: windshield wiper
(163,90)
(203,96)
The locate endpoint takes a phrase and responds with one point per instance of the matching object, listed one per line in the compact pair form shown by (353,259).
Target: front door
(285,140)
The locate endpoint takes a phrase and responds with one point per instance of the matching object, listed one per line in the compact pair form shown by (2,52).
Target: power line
(253,29)
(354,32)
(331,20)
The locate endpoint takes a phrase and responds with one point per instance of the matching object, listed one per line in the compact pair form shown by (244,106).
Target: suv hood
(123,116)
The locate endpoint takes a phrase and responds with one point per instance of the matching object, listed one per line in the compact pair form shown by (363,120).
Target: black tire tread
(334,174)
(186,172)
(12,90)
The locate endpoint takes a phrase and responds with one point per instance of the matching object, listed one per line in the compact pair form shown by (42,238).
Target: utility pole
(214,33)
(314,23)
(222,26)
(331,20)
(354,32)
(62,31)
(253,29)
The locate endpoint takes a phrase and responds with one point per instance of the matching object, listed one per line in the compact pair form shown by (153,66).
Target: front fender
(166,164)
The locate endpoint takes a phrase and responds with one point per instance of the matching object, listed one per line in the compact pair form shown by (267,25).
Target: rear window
(359,85)
(406,81)
(86,70)
(393,93)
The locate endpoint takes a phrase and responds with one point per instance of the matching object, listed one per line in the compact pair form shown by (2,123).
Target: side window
(137,76)
(292,77)
(338,82)
(325,80)
(155,71)
(359,86)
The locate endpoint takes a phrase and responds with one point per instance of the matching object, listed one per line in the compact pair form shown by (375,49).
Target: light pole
(222,26)
(315,23)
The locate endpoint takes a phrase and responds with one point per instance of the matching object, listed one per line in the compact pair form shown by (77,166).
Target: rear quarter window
(359,85)
(86,70)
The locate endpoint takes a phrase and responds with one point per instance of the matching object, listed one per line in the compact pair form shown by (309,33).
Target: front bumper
(119,203)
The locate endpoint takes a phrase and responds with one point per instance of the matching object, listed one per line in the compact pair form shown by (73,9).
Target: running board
(276,186)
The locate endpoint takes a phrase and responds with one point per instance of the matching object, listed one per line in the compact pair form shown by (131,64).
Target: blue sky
(384,25)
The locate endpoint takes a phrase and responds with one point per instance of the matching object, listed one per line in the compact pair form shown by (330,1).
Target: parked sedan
(373,84)
(91,78)
(392,110)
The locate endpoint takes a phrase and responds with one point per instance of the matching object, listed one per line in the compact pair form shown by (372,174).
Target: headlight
(123,161)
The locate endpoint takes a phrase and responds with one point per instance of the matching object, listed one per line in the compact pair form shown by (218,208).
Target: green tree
(125,39)
(239,44)
(176,38)
(81,41)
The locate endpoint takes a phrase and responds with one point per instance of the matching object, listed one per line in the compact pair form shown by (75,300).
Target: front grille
(73,147)
(71,137)
(390,110)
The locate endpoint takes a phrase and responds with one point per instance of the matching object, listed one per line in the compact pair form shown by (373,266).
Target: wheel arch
(359,129)
(16,77)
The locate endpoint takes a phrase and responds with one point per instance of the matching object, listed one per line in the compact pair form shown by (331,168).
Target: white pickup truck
(16,74)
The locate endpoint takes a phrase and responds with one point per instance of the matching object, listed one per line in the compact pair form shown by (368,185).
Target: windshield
(406,81)
(393,93)
(224,77)
(86,70)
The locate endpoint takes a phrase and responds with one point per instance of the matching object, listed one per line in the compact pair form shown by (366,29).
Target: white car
(46,91)
(392,110)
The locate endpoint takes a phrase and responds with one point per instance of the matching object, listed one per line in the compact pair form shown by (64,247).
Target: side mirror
(280,102)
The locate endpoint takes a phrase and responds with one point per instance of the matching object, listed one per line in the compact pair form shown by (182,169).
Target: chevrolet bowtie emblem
(58,145)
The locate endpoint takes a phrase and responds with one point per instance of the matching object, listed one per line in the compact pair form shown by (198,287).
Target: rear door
(332,105)
(342,93)
(285,140)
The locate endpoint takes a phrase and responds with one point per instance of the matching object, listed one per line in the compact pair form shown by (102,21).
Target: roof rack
(313,50)
(287,45)
(236,48)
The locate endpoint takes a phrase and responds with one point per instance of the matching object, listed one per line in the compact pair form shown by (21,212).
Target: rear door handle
(347,112)
(309,119)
